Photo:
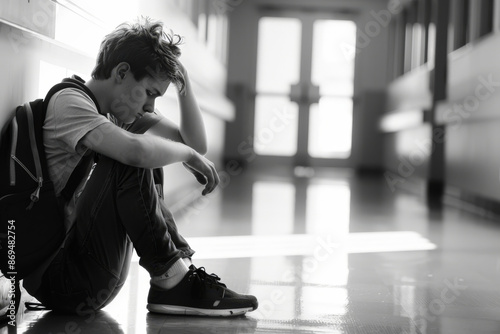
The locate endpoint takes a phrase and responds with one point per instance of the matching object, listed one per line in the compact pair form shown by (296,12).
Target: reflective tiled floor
(332,253)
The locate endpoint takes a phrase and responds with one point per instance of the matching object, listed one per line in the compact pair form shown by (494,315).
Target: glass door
(304,86)
(278,68)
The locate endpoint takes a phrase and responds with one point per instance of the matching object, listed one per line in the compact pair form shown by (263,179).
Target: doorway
(304,89)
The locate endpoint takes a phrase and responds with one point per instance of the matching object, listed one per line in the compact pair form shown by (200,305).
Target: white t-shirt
(71,114)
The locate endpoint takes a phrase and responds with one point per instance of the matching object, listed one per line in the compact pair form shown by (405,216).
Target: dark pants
(120,209)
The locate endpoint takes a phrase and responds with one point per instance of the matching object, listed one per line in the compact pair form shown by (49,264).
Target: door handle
(296,93)
(304,93)
(313,94)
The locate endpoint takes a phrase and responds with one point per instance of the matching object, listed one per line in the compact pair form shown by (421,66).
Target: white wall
(22,50)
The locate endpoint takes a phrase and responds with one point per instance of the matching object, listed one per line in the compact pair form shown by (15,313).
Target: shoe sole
(182,310)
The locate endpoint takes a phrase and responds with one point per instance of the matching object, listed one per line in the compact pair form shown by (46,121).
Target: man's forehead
(159,84)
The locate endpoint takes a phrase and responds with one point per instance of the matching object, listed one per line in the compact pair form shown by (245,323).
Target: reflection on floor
(333,253)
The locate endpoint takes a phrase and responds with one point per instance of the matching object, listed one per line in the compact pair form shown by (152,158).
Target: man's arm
(146,151)
(192,128)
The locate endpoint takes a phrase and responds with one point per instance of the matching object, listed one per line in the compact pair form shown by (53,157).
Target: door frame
(302,158)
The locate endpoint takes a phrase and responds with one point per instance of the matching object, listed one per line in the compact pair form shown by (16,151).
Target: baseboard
(470,202)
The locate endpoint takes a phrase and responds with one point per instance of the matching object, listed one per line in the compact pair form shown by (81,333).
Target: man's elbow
(201,149)
(199,144)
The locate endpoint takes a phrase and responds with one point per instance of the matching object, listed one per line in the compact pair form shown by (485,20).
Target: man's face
(135,98)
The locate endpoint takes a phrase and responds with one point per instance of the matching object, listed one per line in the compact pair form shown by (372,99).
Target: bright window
(83,24)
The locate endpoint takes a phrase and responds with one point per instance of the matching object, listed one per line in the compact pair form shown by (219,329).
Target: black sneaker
(200,294)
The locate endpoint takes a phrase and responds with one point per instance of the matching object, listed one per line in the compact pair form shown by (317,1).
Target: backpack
(31,216)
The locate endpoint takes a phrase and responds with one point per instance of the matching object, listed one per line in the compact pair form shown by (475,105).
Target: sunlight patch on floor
(307,244)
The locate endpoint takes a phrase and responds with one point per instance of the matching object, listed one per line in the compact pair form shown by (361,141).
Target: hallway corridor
(325,253)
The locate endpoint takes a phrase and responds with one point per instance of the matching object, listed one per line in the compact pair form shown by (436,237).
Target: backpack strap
(74,82)
(81,169)
(76,177)
(75,79)
(36,156)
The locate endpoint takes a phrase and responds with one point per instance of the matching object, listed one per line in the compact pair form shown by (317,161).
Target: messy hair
(145,47)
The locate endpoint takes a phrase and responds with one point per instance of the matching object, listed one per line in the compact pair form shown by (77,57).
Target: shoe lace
(211,279)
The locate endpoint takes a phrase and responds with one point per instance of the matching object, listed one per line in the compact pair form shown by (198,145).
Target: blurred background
(357,143)
(404,88)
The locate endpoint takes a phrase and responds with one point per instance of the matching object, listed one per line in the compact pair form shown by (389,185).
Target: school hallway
(325,251)
(390,104)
